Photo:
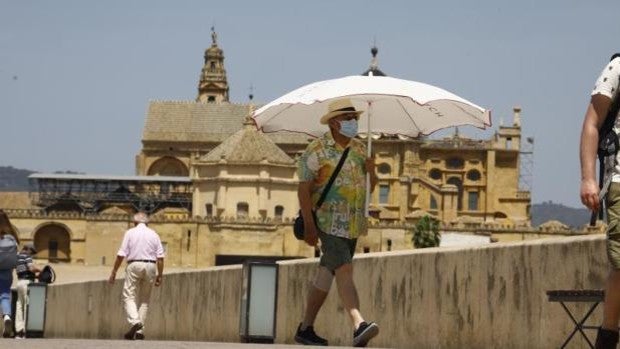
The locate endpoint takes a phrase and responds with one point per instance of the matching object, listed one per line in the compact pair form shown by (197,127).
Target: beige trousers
(22,301)
(139,279)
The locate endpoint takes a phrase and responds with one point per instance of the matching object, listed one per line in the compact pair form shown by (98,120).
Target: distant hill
(574,217)
(14,179)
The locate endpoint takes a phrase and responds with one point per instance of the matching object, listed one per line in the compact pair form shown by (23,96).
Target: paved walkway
(121,344)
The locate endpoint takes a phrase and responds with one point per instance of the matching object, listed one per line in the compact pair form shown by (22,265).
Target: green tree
(426,233)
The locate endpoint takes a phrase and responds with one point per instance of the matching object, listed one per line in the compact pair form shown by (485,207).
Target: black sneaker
(308,337)
(364,333)
(131,334)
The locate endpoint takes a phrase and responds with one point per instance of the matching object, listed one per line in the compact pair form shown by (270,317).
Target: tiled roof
(248,146)
(189,121)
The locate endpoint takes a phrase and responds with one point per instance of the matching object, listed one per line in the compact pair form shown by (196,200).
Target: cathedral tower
(213,86)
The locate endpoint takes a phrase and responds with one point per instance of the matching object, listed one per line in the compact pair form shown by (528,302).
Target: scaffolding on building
(526,165)
(92,194)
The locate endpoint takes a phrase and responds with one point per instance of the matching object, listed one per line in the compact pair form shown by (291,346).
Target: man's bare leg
(348,293)
(317,295)
(316,298)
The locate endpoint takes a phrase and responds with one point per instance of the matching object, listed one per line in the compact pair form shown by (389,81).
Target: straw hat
(339,107)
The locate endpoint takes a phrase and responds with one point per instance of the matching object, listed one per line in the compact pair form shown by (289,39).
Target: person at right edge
(604,93)
(340,220)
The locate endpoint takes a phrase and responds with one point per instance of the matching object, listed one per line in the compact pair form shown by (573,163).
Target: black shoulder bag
(298,226)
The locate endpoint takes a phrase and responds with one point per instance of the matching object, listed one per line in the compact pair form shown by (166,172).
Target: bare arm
(304,192)
(33,268)
(594,118)
(160,271)
(117,264)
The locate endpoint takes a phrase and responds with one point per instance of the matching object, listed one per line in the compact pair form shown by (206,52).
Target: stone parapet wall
(482,297)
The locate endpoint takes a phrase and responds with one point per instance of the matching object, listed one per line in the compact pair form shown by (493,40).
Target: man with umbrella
(341,218)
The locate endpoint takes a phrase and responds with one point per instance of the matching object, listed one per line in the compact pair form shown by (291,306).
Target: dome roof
(248,146)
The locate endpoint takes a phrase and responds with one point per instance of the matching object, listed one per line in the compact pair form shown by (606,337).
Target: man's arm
(117,264)
(304,193)
(160,271)
(33,268)
(594,118)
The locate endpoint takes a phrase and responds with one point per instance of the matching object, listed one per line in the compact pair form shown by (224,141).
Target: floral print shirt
(342,212)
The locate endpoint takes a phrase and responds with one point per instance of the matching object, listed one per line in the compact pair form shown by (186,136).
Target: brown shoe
(131,334)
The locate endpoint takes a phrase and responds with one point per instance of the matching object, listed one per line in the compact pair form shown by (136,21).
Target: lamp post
(35,311)
(259,299)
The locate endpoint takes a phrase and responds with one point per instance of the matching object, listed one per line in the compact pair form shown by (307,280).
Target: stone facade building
(242,187)
(453,179)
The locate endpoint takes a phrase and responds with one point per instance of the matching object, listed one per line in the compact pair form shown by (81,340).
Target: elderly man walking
(339,221)
(144,252)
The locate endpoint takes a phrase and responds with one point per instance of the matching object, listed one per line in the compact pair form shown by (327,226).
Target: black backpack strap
(332,178)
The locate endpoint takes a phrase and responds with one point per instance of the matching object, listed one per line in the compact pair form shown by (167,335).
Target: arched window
(499,215)
(53,242)
(433,205)
(243,210)
(278,212)
(473,175)
(435,174)
(209,210)
(384,194)
(472,201)
(455,163)
(384,169)
(168,166)
(459,185)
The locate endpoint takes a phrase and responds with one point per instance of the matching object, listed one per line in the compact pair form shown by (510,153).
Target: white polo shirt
(141,243)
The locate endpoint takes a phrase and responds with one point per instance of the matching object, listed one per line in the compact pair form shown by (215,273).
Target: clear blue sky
(76,76)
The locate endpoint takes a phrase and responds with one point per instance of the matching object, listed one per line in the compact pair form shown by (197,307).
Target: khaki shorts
(613,227)
(337,251)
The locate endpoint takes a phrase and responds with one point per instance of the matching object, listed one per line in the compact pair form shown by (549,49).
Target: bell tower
(213,86)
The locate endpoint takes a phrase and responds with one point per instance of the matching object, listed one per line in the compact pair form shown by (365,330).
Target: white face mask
(348,128)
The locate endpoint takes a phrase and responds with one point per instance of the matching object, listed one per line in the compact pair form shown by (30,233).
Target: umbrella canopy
(394,106)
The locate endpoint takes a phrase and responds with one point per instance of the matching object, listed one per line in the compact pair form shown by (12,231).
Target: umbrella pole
(369,150)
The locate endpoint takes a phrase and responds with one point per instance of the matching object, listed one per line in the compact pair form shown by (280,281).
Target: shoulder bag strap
(332,178)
